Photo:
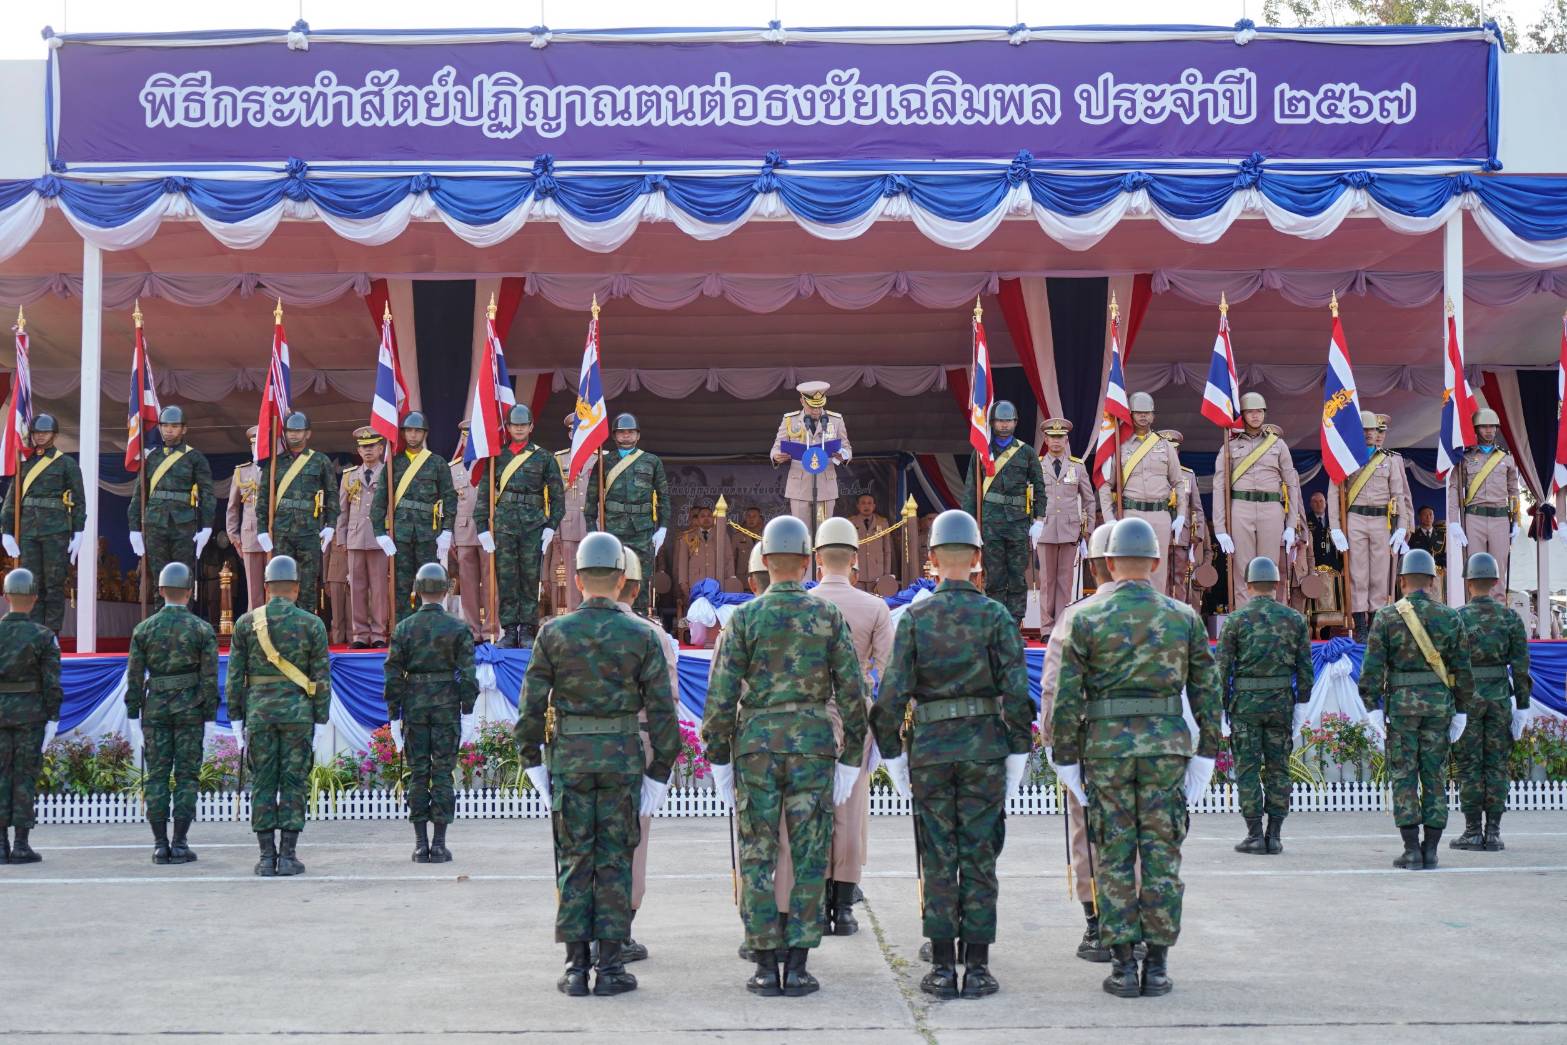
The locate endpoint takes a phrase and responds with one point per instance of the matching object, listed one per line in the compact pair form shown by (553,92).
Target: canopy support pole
(1453,291)
(90,437)
(1542,589)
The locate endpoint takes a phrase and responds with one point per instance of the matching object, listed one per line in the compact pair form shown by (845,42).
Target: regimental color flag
(981,397)
(492,398)
(391,392)
(592,413)
(142,407)
(1344,449)
(1115,419)
(1221,397)
(277,398)
(1458,403)
(19,414)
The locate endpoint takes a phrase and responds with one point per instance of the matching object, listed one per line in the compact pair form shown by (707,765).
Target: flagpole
(1115,463)
(1343,515)
(144,589)
(391,497)
(979,480)
(1229,459)
(492,597)
(595,307)
(277,320)
(16,478)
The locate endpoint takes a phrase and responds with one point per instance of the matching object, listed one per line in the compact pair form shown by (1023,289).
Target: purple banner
(1134,100)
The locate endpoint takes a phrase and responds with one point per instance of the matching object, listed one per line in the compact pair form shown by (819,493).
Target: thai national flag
(391,393)
(1559,476)
(277,399)
(592,413)
(492,394)
(13,440)
(1221,398)
(981,396)
(1344,449)
(1115,421)
(1458,404)
(142,408)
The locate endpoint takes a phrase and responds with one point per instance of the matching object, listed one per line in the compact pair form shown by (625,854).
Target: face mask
(1003,443)
(625,451)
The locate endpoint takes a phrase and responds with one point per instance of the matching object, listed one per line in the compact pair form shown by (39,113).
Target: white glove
(487,542)
(397,733)
(326,536)
(203,535)
(1177,527)
(545,539)
(1340,542)
(1376,721)
(1512,532)
(653,794)
(1036,531)
(1520,721)
(658,539)
(1082,548)
(843,779)
(11,548)
(1016,765)
(1397,537)
(1456,531)
(539,777)
(136,545)
(1455,728)
(724,783)
(1071,778)
(1224,724)
(49,731)
(466,725)
(75,546)
(323,733)
(388,545)
(1225,543)
(1298,719)
(443,544)
(238,726)
(265,540)
(1199,771)
(1289,536)
(898,771)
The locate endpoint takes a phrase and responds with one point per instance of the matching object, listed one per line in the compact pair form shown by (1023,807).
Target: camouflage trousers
(45,555)
(1482,754)
(163,547)
(796,790)
(306,551)
(21,759)
(1006,555)
(1417,767)
(517,558)
(433,736)
(1137,812)
(960,814)
(280,760)
(412,553)
(596,832)
(173,750)
(1261,745)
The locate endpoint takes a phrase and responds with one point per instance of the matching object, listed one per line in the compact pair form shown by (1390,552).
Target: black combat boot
(942,980)
(1089,948)
(612,976)
(1362,622)
(797,983)
(1493,833)
(1122,981)
(574,981)
(843,922)
(421,842)
(524,637)
(925,952)
(977,981)
(266,867)
(630,949)
(764,980)
(1275,825)
(1156,979)
(439,854)
(1429,847)
(746,954)
(1411,858)
(21,852)
(1253,843)
(508,637)
(180,851)
(5,845)
(1472,838)
(160,841)
(287,862)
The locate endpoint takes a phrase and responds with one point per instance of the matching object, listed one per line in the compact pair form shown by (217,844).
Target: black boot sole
(421,856)
(442,856)
(188,858)
(981,991)
(1158,990)
(573,988)
(1097,955)
(28,858)
(609,990)
(1120,990)
(161,858)
(945,992)
(801,990)
(1496,847)
(764,990)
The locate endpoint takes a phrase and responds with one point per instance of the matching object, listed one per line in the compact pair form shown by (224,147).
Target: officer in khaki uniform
(811,497)
(1152,487)
(1381,514)
(1257,508)
(367,568)
(472,564)
(1068,519)
(696,551)
(1482,499)
(752,520)
(573,527)
(240,522)
(876,556)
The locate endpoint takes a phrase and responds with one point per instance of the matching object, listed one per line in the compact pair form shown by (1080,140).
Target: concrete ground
(1327,941)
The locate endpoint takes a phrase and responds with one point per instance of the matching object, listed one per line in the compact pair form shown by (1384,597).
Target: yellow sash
(1001,462)
(1137,456)
(511,469)
(408,475)
(1364,477)
(614,473)
(27,481)
(1252,458)
(1423,640)
(284,667)
(293,472)
(1486,469)
(162,469)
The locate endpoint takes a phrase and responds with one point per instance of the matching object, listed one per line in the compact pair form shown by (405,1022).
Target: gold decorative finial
(1333,304)
(136,313)
(491,310)
(21,321)
(595,307)
(1224,304)
(721,508)
(1115,309)
(386,311)
(277,313)
(911,507)
(978,312)
(1450,309)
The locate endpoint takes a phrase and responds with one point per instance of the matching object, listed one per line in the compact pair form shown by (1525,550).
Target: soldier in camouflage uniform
(430,690)
(1417,665)
(30,698)
(1013,513)
(956,691)
(1122,746)
(304,513)
(171,684)
(636,499)
(530,500)
(425,509)
(179,501)
(1264,670)
(1497,642)
(279,690)
(592,674)
(793,656)
(53,515)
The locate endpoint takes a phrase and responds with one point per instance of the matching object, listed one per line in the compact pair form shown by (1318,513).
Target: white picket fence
(505,804)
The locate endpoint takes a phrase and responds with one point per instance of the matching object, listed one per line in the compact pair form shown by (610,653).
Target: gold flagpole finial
(1115,309)
(1224,304)
(1450,310)
(21,321)
(911,507)
(721,508)
(136,313)
(490,311)
(386,311)
(978,312)
(277,313)
(595,307)
(1333,304)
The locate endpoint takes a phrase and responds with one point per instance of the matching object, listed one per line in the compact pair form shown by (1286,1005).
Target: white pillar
(91,399)
(1542,586)
(1453,290)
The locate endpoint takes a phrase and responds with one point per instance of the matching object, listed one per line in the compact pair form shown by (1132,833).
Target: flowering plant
(220,765)
(691,764)
(1543,745)
(87,766)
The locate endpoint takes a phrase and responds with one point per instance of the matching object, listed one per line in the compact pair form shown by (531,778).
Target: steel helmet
(1262,570)
(633,566)
(1482,566)
(171,415)
(416,421)
(431,579)
(786,535)
(281,569)
(1253,401)
(44,423)
(1099,540)
(1418,563)
(600,551)
(297,422)
(1486,416)
(836,532)
(955,526)
(1140,403)
(519,415)
(21,581)
(1133,538)
(755,564)
(627,423)
(175,575)
(1003,411)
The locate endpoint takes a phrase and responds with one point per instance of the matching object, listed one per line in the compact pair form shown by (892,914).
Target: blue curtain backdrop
(443,323)
(1078,306)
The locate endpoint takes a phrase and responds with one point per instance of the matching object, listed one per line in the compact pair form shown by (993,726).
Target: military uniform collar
(786,586)
(17,616)
(46,452)
(174,448)
(833,579)
(429,606)
(600,602)
(278,600)
(1416,596)
(180,608)
(1492,599)
(956,586)
(1142,582)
